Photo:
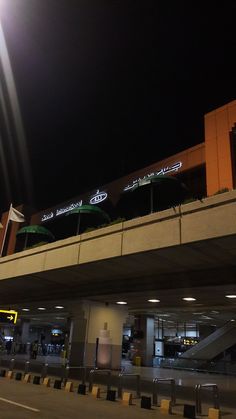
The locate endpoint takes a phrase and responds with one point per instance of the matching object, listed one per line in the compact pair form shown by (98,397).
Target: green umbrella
(35,229)
(163,185)
(168,182)
(89,209)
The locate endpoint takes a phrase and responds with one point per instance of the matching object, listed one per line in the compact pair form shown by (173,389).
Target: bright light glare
(153,301)
(121,302)
(189,299)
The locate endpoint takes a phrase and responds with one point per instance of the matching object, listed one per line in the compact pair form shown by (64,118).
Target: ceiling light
(189,299)
(41,308)
(232,320)
(25,309)
(215,312)
(231,296)
(154,301)
(59,307)
(121,302)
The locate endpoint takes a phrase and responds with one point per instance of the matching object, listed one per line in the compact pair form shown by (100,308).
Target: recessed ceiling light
(41,308)
(232,320)
(59,307)
(231,296)
(189,299)
(25,309)
(121,302)
(154,301)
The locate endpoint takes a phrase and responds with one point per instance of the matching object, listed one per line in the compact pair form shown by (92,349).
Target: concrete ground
(38,401)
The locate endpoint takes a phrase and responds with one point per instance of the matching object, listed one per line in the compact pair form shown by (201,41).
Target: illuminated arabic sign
(61,211)
(98,197)
(8,316)
(168,169)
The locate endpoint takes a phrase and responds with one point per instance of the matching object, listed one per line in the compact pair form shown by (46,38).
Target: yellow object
(27,378)
(69,386)
(10,316)
(127,398)
(46,382)
(137,361)
(165,406)
(10,374)
(96,391)
(214,413)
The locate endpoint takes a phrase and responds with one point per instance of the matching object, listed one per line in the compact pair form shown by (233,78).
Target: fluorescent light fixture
(153,300)
(189,299)
(59,307)
(41,308)
(25,309)
(121,302)
(231,296)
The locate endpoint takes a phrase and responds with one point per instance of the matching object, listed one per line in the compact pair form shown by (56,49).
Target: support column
(25,331)
(96,334)
(144,341)
(77,338)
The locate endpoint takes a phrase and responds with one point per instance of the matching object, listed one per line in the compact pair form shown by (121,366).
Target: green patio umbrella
(34,229)
(169,184)
(153,190)
(93,210)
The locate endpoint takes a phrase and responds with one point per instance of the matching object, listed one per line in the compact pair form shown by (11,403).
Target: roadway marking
(20,405)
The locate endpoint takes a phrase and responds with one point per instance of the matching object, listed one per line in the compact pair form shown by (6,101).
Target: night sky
(108,87)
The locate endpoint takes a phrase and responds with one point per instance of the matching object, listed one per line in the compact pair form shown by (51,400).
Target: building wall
(218,126)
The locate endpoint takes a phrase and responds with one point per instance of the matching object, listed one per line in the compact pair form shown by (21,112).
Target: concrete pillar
(77,338)
(25,331)
(144,343)
(95,321)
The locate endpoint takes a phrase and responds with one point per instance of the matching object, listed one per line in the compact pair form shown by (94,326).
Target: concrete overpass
(189,249)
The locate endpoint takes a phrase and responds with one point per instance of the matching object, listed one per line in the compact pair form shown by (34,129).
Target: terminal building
(145,270)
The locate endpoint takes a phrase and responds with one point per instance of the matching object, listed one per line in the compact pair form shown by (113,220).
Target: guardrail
(120,386)
(99,371)
(198,396)
(169,381)
(82,368)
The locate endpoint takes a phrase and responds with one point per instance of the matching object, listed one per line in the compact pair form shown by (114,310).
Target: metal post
(101,371)
(11,365)
(27,367)
(44,370)
(120,386)
(198,396)
(170,381)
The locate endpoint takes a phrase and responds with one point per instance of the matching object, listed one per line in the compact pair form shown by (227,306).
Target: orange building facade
(206,168)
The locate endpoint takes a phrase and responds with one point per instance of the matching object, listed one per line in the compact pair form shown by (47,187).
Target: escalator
(217,342)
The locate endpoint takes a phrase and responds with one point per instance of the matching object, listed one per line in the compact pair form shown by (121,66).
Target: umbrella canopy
(36,229)
(151,194)
(93,211)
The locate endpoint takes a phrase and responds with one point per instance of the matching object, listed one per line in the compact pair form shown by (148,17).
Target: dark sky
(106,87)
